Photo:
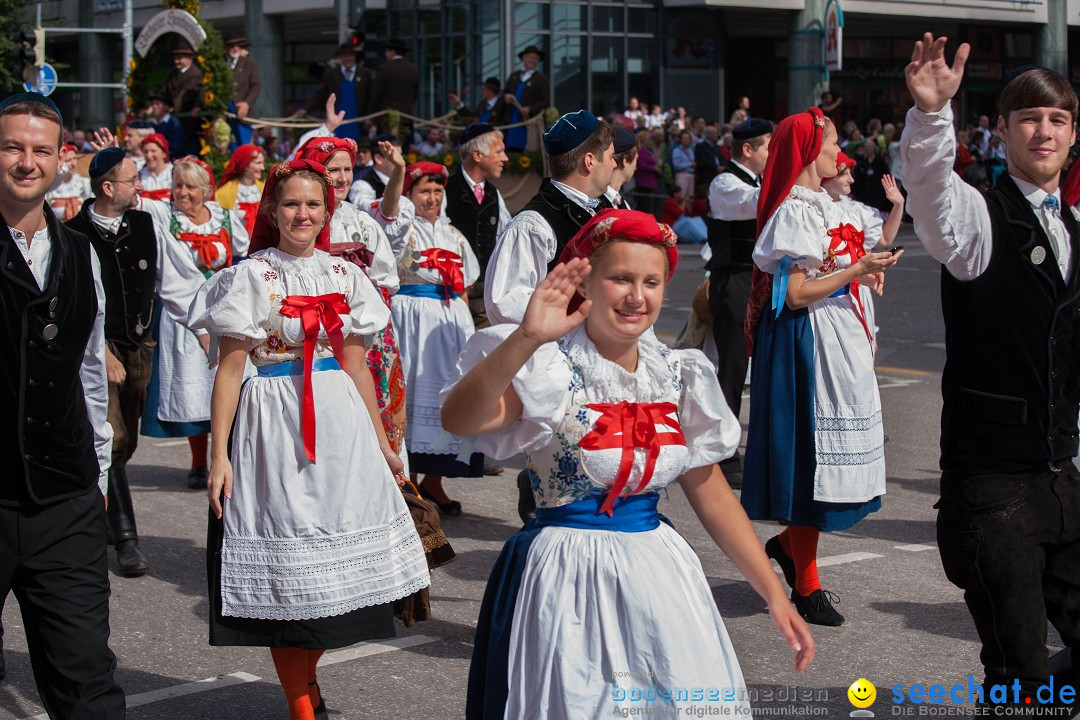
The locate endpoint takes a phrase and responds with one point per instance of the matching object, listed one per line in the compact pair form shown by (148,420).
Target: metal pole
(342,21)
(37,15)
(129,31)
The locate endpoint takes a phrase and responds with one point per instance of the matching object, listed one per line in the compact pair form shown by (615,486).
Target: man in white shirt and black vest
(733,198)
(1009,515)
(581,155)
(136,268)
(56,440)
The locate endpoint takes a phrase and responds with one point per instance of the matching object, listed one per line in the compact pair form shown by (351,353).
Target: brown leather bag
(417,607)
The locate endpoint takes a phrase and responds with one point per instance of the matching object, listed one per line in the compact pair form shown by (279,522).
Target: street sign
(46,80)
(834,37)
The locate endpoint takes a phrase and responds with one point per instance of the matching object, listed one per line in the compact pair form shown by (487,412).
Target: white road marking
(846,558)
(916,547)
(171,443)
(239,678)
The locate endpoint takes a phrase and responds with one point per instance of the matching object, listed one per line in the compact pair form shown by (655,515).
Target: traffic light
(357,40)
(24,54)
(39,47)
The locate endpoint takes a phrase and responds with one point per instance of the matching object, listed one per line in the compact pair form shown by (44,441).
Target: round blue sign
(46,80)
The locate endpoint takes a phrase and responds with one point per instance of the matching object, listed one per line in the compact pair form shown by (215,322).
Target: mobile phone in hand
(896,249)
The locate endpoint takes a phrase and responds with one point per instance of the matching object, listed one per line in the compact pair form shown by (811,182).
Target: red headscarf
(206,168)
(795,143)
(422,169)
(159,140)
(627,225)
(843,162)
(1070,193)
(319,149)
(265,234)
(68,147)
(238,163)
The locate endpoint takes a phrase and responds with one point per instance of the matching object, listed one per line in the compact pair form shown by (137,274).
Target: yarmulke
(624,140)
(475,130)
(751,128)
(105,160)
(140,125)
(569,131)
(31,97)
(1017,72)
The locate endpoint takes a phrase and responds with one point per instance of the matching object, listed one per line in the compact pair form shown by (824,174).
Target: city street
(906,623)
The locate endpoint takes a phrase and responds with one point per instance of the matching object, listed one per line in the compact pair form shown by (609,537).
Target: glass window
(641,20)
(402,23)
(457,19)
(606,64)
(429,60)
(568,77)
(489,42)
(430,22)
(641,72)
(607,18)
(568,18)
(530,16)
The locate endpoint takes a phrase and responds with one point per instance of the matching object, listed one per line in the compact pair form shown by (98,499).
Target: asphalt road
(905,623)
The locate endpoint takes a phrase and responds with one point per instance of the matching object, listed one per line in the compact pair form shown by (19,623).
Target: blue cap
(475,130)
(105,160)
(751,128)
(624,140)
(31,97)
(569,131)
(140,125)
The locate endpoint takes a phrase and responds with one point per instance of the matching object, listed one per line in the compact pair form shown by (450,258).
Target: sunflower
(524,162)
(411,159)
(130,81)
(448,160)
(131,64)
(204,150)
(208,97)
(207,78)
(201,60)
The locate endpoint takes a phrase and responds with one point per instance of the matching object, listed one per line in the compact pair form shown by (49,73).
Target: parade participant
(490,110)
(134,133)
(626,155)
(178,397)
(815,451)
(432,320)
(598,574)
(140,263)
(184,86)
(70,188)
(166,124)
(349,87)
(370,185)
(357,237)
(733,199)
(867,221)
(528,93)
(475,206)
(241,186)
(246,86)
(156,175)
(1008,515)
(581,152)
(56,438)
(308,485)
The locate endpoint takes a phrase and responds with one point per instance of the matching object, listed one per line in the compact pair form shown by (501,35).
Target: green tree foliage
(15,19)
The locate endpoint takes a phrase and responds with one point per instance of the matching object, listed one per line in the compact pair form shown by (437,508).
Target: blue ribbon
(296,367)
(634,513)
(779,285)
(437,292)
(843,290)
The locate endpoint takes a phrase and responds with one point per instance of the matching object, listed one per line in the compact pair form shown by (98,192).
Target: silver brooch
(1038,254)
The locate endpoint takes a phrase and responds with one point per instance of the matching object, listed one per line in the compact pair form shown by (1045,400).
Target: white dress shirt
(732,199)
(951,217)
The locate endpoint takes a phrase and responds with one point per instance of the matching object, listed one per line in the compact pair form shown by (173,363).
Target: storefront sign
(834,36)
(178,21)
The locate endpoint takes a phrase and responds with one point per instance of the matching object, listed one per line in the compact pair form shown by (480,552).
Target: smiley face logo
(862,693)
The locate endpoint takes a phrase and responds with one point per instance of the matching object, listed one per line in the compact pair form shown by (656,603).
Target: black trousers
(126,403)
(1012,543)
(54,560)
(729,293)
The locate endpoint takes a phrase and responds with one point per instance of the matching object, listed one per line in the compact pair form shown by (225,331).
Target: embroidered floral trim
(840,424)
(845,459)
(230,609)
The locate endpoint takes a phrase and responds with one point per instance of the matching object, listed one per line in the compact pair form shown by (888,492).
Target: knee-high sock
(800,543)
(198,445)
(292,669)
(312,681)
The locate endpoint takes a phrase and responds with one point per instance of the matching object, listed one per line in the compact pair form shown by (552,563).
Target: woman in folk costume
(607,416)
(156,173)
(241,186)
(310,541)
(355,236)
(70,189)
(815,456)
(431,316)
(178,398)
(877,234)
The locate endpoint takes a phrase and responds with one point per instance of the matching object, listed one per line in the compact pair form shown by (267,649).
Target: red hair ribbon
(448,264)
(313,311)
(849,240)
(630,426)
(206,246)
(162,194)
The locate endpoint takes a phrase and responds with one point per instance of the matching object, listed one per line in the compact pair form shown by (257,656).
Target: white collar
(185,69)
(745,169)
(526,74)
(112,224)
(469,181)
(573,193)
(1034,194)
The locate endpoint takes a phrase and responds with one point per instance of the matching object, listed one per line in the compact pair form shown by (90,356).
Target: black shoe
(817,608)
(451,507)
(491,468)
(775,550)
(320,709)
(196,479)
(131,561)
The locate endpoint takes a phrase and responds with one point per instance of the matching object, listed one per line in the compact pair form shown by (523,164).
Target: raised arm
(896,215)
(392,194)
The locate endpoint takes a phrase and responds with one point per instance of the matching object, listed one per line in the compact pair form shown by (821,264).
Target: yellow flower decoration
(448,160)
(205,124)
(524,162)
(208,96)
(130,81)
(207,78)
(200,60)
(129,101)
(411,159)
(204,150)
(131,64)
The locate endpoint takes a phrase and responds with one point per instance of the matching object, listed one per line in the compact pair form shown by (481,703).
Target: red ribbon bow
(355,252)
(251,211)
(313,311)
(849,240)
(448,264)
(162,194)
(628,426)
(206,246)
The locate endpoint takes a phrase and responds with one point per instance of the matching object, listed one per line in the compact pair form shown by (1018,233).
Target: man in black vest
(733,197)
(55,437)
(475,206)
(369,182)
(581,154)
(138,264)
(1009,515)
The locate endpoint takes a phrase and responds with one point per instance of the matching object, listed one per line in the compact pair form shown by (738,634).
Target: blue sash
(438,292)
(488,683)
(842,291)
(296,367)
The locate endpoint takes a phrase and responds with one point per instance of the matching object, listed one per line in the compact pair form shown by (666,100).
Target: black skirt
(375,622)
(446,465)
